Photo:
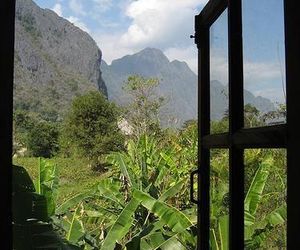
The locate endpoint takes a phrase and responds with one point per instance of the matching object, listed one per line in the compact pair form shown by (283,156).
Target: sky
(122,27)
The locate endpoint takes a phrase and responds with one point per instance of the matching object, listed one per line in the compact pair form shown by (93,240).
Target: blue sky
(122,27)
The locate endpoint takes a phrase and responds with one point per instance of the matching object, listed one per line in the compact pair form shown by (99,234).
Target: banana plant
(255,233)
(31,224)
(47,184)
(149,220)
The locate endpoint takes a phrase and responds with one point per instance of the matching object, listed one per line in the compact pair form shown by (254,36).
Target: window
(238,139)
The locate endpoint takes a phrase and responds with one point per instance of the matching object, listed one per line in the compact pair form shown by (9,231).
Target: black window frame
(239,138)
(283,136)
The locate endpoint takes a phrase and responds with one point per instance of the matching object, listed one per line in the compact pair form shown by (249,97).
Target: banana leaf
(121,226)
(118,160)
(213,240)
(278,216)
(73,201)
(47,184)
(172,191)
(223,226)
(254,194)
(176,220)
(75,229)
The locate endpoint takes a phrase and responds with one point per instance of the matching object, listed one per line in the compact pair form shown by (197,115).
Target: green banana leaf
(176,220)
(73,201)
(118,160)
(223,226)
(213,240)
(278,216)
(47,184)
(75,229)
(109,189)
(254,194)
(121,226)
(172,191)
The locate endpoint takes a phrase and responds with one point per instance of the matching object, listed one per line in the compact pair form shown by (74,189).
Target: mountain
(178,83)
(54,61)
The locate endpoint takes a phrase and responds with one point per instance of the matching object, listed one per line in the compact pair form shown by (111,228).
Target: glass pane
(265,199)
(264,62)
(219,75)
(219,198)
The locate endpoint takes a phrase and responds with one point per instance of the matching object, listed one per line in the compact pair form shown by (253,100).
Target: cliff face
(54,60)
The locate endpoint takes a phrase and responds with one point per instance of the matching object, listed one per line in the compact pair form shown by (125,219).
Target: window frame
(238,138)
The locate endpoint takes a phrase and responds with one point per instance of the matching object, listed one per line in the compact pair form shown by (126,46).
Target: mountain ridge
(178,82)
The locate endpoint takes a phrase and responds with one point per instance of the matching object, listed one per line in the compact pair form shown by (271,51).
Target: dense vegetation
(139,199)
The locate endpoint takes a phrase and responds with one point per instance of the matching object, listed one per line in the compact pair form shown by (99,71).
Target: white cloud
(159,23)
(154,23)
(77,22)
(261,78)
(110,47)
(77,7)
(263,71)
(57,8)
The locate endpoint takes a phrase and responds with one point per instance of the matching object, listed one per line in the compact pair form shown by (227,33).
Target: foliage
(31,227)
(91,126)
(38,136)
(263,218)
(139,209)
(143,111)
(42,139)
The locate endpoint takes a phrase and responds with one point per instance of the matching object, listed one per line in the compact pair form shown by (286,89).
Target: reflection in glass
(264,62)
(265,199)
(219,74)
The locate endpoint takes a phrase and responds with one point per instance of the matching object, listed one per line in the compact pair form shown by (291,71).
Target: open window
(239,140)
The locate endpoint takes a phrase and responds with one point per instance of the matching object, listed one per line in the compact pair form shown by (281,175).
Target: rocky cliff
(54,60)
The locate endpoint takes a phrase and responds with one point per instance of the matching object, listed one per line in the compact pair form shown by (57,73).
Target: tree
(42,139)
(91,127)
(143,111)
(252,116)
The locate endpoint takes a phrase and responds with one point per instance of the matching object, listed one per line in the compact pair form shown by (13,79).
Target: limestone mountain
(54,61)
(178,83)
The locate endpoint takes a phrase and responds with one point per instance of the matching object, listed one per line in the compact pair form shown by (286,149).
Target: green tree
(42,139)
(91,127)
(143,111)
(252,116)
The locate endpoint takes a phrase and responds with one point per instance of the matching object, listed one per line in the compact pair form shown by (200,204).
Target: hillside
(54,61)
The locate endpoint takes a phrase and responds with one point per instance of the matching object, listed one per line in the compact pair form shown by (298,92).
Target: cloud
(110,46)
(159,23)
(261,78)
(165,25)
(77,7)
(57,8)
(77,22)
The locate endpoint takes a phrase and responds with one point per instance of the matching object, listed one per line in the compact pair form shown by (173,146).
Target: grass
(74,174)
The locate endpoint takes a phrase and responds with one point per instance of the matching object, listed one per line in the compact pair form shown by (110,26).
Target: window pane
(219,74)
(265,199)
(219,199)
(264,62)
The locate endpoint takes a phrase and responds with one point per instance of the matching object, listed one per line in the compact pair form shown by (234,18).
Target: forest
(111,177)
